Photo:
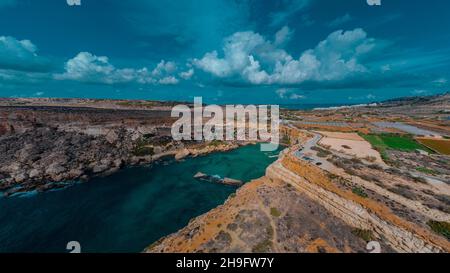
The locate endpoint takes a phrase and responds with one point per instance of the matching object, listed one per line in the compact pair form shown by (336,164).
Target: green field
(405,143)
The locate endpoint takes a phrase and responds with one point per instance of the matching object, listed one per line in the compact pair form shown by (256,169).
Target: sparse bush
(404,191)
(370,158)
(444,199)
(360,192)
(143,151)
(275,212)
(216,143)
(369,177)
(425,170)
(442,228)
(366,235)
(321,152)
(375,167)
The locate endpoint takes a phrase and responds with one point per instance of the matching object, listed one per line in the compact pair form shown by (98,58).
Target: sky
(227,51)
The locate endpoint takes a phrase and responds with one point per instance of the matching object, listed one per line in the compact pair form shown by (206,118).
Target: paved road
(305,153)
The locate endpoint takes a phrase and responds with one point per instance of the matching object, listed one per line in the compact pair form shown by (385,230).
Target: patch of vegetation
(439,145)
(442,228)
(275,212)
(360,192)
(216,142)
(375,167)
(262,247)
(425,170)
(286,140)
(266,245)
(141,148)
(370,177)
(365,234)
(404,191)
(137,103)
(143,151)
(370,158)
(321,152)
(405,143)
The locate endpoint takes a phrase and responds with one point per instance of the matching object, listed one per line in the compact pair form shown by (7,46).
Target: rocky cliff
(265,215)
(48,146)
(399,234)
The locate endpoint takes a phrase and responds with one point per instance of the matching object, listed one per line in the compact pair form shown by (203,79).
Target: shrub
(366,235)
(360,192)
(143,151)
(442,228)
(370,158)
(425,170)
(275,212)
(321,152)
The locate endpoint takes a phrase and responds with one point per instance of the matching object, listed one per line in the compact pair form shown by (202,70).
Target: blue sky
(228,51)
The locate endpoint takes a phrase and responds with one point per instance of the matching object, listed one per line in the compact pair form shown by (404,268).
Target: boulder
(35,173)
(55,169)
(232,182)
(200,175)
(21,177)
(182,154)
(112,137)
(100,168)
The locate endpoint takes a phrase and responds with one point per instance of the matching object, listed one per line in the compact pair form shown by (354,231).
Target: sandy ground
(358,146)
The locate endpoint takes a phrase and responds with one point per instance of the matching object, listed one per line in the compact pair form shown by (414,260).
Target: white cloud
(20,55)
(287,93)
(169,80)
(282,92)
(340,20)
(248,56)
(187,75)
(164,68)
(86,67)
(283,36)
(296,97)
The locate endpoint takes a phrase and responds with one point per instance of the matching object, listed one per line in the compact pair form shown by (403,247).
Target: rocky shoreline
(46,148)
(48,159)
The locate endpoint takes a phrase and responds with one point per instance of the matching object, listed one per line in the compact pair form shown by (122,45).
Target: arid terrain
(47,143)
(347,176)
(350,176)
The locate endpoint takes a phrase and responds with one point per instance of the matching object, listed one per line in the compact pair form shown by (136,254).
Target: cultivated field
(441,146)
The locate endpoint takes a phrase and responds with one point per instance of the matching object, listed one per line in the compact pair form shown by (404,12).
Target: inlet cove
(126,211)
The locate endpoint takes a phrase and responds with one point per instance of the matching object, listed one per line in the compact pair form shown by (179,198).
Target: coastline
(180,154)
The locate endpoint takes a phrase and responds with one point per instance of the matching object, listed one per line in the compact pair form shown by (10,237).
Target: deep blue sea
(127,211)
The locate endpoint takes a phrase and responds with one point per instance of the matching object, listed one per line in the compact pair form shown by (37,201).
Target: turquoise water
(127,211)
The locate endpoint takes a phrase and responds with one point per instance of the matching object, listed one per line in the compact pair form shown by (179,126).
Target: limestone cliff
(265,215)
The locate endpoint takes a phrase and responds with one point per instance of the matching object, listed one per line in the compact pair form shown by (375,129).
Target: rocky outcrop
(36,159)
(216,179)
(206,148)
(45,147)
(264,215)
(360,213)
